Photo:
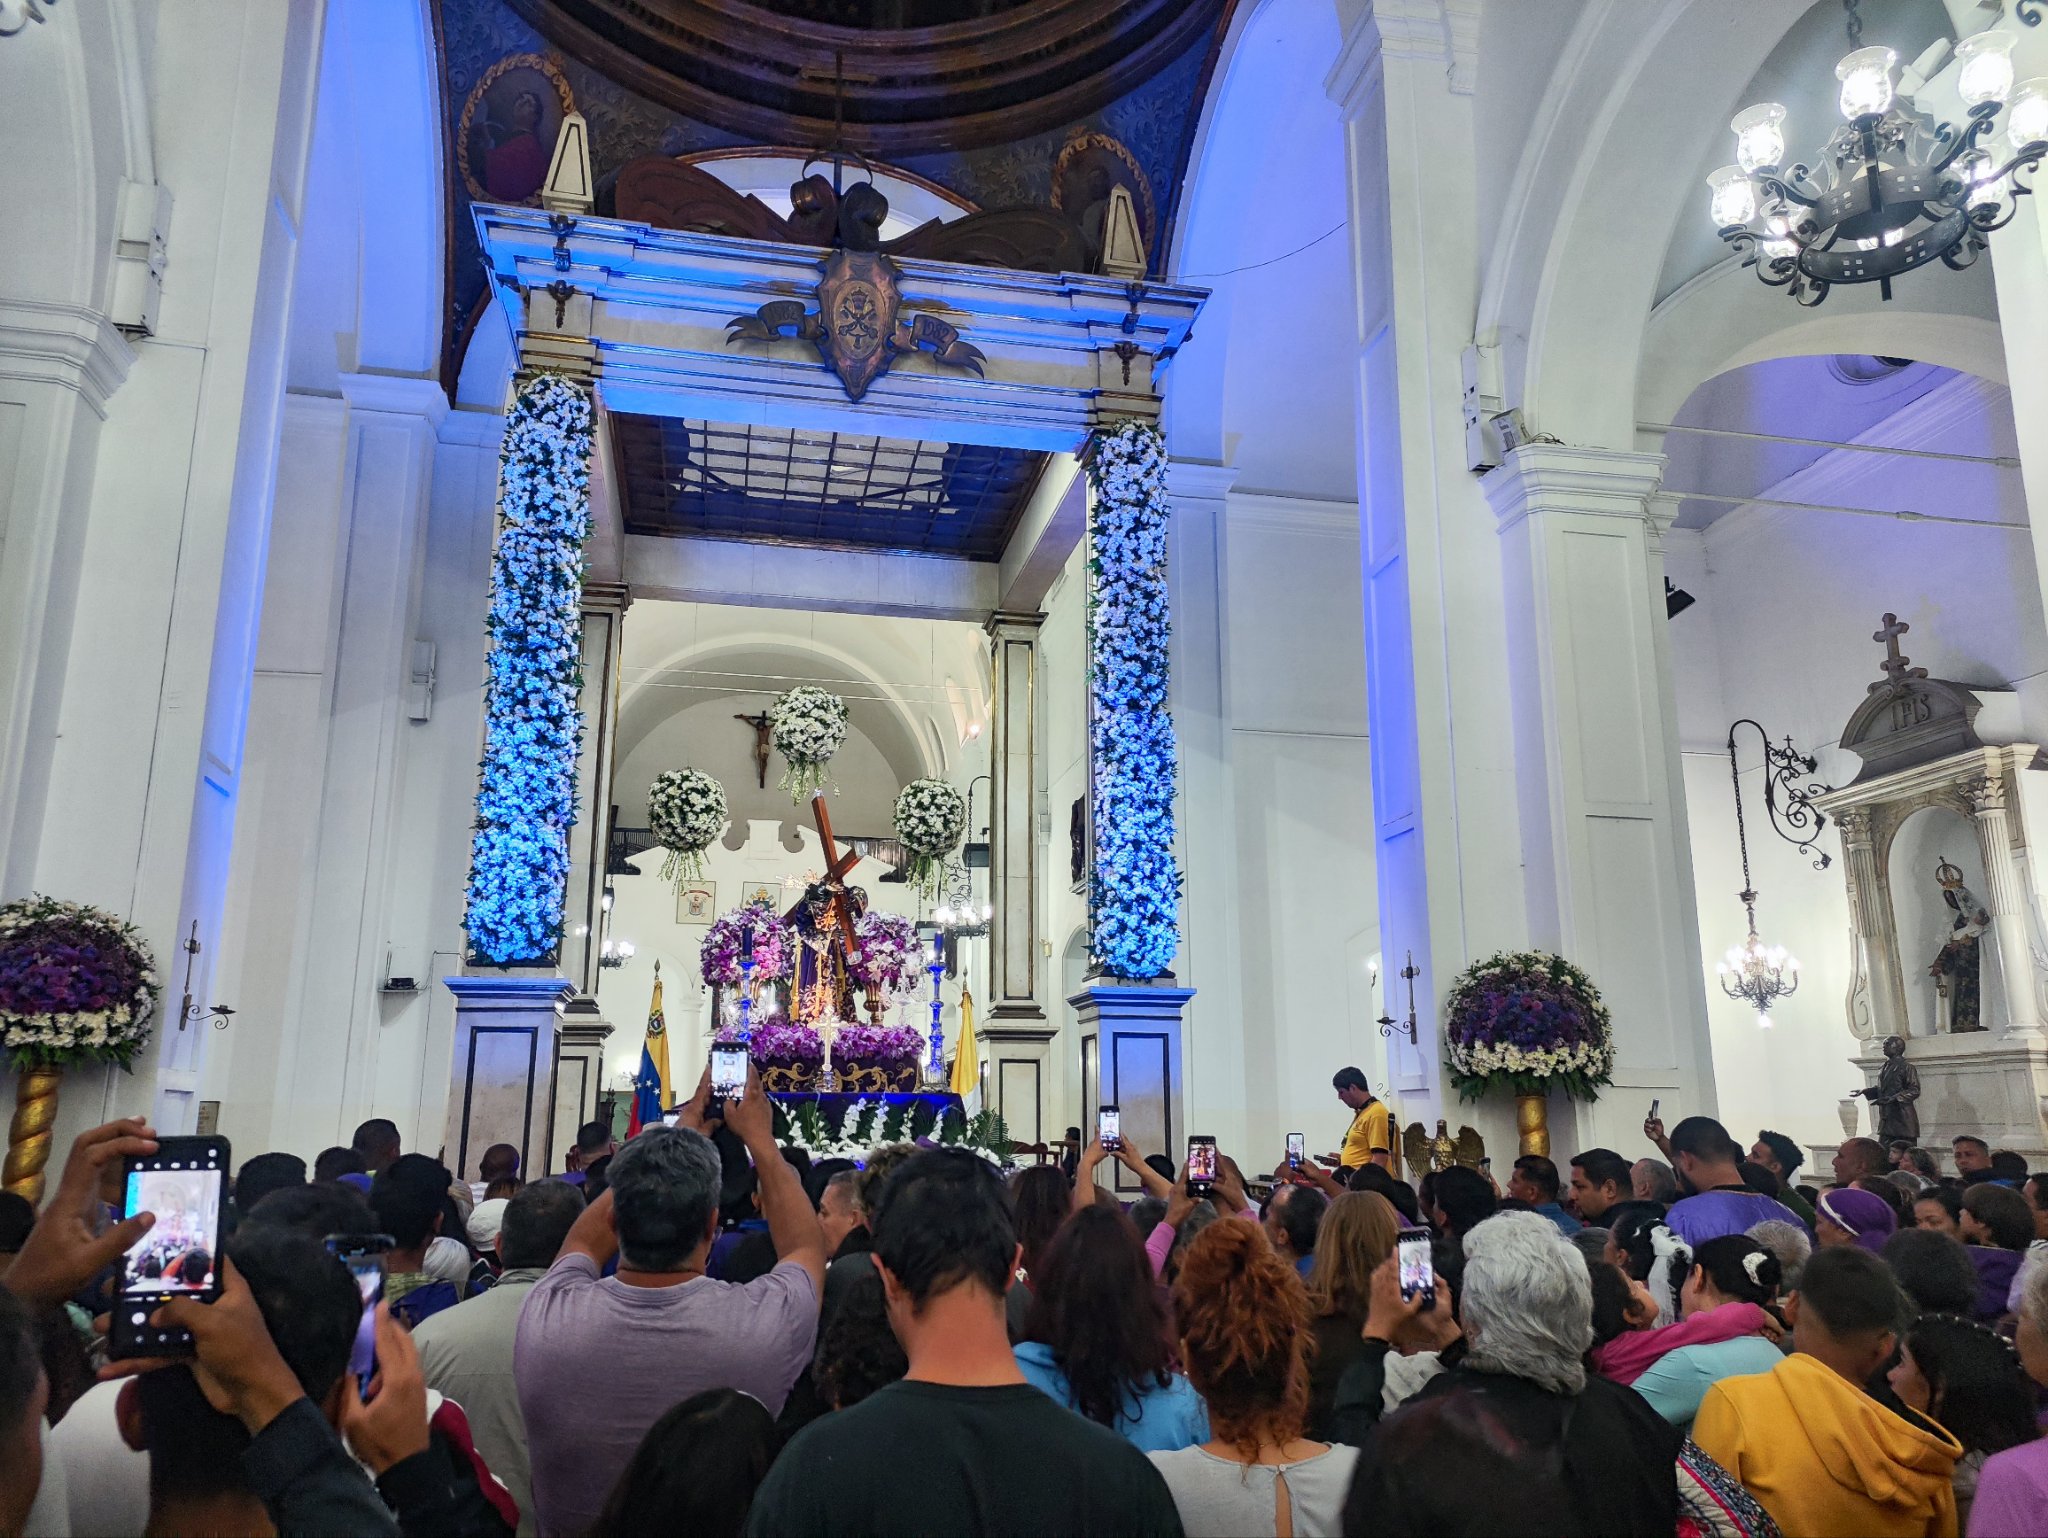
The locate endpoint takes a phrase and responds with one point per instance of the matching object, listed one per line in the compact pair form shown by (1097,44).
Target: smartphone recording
(182,1252)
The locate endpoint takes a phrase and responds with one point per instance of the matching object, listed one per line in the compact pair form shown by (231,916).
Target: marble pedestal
(1992,1085)
(508,1030)
(579,1073)
(1131,1033)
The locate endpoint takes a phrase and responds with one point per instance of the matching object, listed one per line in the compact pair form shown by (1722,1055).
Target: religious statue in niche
(1891,1097)
(1958,969)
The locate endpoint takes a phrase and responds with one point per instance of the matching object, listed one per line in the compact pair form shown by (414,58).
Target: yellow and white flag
(967,1058)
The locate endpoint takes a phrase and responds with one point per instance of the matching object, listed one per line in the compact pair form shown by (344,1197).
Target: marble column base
(508,1030)
(1131,1032)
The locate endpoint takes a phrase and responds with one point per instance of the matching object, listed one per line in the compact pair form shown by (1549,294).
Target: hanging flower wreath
(725,942)
(1527,1021)
(930,818)
(533,725)
(1134,897)
(807,726)
(686,811)
(77,985)
(890,959)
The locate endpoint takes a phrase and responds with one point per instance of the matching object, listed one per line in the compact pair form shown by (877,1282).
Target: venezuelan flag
(650,1085)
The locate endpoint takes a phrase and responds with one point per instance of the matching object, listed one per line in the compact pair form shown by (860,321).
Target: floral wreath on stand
(774,956)
(807,726)
(686,811)
(1527,1021)
(891,959)
(930,819)
(77,985)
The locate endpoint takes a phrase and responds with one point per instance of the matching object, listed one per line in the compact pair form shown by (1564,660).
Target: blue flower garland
(533,728)
(1134,895)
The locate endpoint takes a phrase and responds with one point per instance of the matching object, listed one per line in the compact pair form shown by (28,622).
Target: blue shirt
(1566,1223)
(1303,1266)
(1160,1420)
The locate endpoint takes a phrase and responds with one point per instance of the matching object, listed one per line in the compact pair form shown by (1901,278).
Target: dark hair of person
(2008,1165)
(1094,1303)
(1704,1138)
(1540,1172)
(1381,1182)
(857,1350)
(1350,1078)
(1788,1153)
(310,1306)
(1040,1198)
(597,1178)
(1851,1290)
(1447,1467)
(1968,1137)
(333,1163)
(1612,1300)
(1630,1231)
(506,1186)
(376,1138)
(943,1223)
(17,1217)
(1976,1385)
(1950,1197)
(407,1197)
(820,1174)
(1161,1166)
(2004,1211)
(1603,1166)
(499,1160)
(699,1467)
(592,1136)
(319,1209)
(1243,1316)
(1933,1269)
(1300,1216)
(1464,1198)
(21,1362)
(1726,1260)
(2036,1191)
(265,1173)
(537,1221)
(1759,1179)
(1886,1190)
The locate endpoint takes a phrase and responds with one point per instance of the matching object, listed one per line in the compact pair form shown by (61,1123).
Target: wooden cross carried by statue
(828,902)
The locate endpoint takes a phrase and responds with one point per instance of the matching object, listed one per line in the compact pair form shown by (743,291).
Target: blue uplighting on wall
(533,729)
(1134,895)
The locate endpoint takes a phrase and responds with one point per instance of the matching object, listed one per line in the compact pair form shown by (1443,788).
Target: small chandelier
(1895,190)
(958,914)
(1756,973)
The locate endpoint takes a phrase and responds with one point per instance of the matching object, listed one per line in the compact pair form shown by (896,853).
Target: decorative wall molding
(398,395)
(64,344)
(1556,477)
(1316,516)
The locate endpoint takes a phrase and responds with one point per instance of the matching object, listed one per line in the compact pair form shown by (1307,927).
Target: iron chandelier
(1894,190)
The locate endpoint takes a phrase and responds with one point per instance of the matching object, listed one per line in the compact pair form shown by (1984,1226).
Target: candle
(746,942)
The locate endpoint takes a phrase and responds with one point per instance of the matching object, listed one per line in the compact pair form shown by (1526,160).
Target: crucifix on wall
(762,743)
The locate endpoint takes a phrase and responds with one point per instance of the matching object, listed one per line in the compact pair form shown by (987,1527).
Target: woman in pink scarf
(1726,1330)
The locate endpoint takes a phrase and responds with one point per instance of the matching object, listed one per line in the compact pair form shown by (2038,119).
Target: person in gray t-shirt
(599,1359)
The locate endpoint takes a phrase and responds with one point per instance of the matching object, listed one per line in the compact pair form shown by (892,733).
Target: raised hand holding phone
(65,1250)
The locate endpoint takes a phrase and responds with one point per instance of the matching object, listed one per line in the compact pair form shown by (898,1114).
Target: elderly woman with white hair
(1526,1309)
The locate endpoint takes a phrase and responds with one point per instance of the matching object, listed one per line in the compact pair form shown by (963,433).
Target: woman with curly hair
(1244,1315)
(1096,1336)
(1357,1233)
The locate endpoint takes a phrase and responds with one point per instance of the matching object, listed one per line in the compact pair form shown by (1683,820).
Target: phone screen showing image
(368,1270)
(1201,1163)
(1109,1128)
(1418,1277)
(1294,1150)
(728,1072)
(183,1185)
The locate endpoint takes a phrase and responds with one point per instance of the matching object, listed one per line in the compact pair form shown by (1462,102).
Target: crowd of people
(703,1331)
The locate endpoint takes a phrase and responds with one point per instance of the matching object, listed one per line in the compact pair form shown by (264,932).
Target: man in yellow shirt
(1371,1137)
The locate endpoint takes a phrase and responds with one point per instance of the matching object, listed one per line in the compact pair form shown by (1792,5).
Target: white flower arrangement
(533,723)
(686,811)
(1134,897)
(77,984)
(807,726)
(930,819)
(1527,1021)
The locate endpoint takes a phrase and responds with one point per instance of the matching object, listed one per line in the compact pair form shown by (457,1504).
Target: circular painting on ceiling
(507,133)
(1088,167)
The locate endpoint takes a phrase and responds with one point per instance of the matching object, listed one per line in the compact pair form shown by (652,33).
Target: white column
(1448,840)
(1607,863)
(604,615)
(1876,1004)
(1017,966)
(2008,910)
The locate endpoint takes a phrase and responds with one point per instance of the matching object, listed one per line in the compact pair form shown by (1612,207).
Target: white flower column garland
(526,799)
(807,726)
(686,812)
(930,818)
(1135,889)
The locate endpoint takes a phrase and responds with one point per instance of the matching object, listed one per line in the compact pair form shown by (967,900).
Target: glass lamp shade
(1734,200)
(2027,117)
(1986,67)
(1759,136)
(1866,77)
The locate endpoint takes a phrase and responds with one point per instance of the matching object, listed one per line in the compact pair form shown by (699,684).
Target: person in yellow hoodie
(1824,1458)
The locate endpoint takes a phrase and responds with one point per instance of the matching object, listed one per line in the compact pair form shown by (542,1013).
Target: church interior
(1327,491)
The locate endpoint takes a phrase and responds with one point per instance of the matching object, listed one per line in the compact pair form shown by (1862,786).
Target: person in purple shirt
(1709,1166)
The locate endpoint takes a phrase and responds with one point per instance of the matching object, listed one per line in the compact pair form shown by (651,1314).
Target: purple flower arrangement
(788,1044)
(890,958)
(1527,1021)
(876,1046)
(754,930)
(76,985)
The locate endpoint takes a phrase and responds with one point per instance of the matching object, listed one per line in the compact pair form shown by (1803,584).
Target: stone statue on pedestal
(1958,968)
(1892,1097)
